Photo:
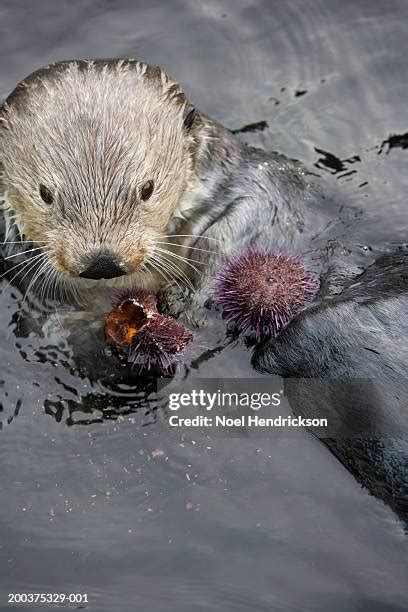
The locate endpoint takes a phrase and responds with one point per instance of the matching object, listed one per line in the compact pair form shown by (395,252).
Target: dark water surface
(94,498)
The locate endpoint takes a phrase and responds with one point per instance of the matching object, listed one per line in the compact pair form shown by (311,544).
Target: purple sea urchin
(263,291)
(158,344)
(141,334)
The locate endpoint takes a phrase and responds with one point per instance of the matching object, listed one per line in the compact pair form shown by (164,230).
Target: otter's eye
(147,190)
(46,195)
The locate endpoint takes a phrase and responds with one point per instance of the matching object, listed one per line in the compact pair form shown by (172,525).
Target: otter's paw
(181,302)
(173,300)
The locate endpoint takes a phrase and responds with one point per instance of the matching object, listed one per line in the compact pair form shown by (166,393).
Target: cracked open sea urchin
(262,291)
(142,335)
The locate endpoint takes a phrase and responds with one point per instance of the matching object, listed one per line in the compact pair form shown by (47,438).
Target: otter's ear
(190,113)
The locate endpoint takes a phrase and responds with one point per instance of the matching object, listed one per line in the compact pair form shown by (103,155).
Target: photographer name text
(246,420)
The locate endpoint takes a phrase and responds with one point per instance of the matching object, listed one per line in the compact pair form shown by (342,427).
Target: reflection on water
(143,517)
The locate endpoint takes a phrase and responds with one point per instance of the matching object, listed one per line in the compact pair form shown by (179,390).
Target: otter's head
(98,156)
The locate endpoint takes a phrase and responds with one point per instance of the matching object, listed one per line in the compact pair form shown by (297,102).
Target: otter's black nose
(102,265)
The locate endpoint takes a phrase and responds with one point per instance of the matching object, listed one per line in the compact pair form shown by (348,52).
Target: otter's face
(96,163)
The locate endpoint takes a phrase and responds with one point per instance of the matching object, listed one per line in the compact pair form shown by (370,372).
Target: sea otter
(107,162)
(112,178)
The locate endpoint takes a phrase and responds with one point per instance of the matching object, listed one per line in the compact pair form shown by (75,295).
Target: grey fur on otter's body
(93,132)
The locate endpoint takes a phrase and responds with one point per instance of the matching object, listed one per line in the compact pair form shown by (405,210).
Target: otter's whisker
(53,289)
(71,291)
(163,271)
(165,266)
(178,272)
(22,253)
(60,288)
(159,268)
(75,293)
(50,289)
(22,265)
(186,260)
(56,288)
(64,287)
(171,265)
(36,276)
(185,246)
(21,280)
(50,286)
(144,269)
(190,236)
(181,257)
(48,276)
(22,242)
(33,281)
